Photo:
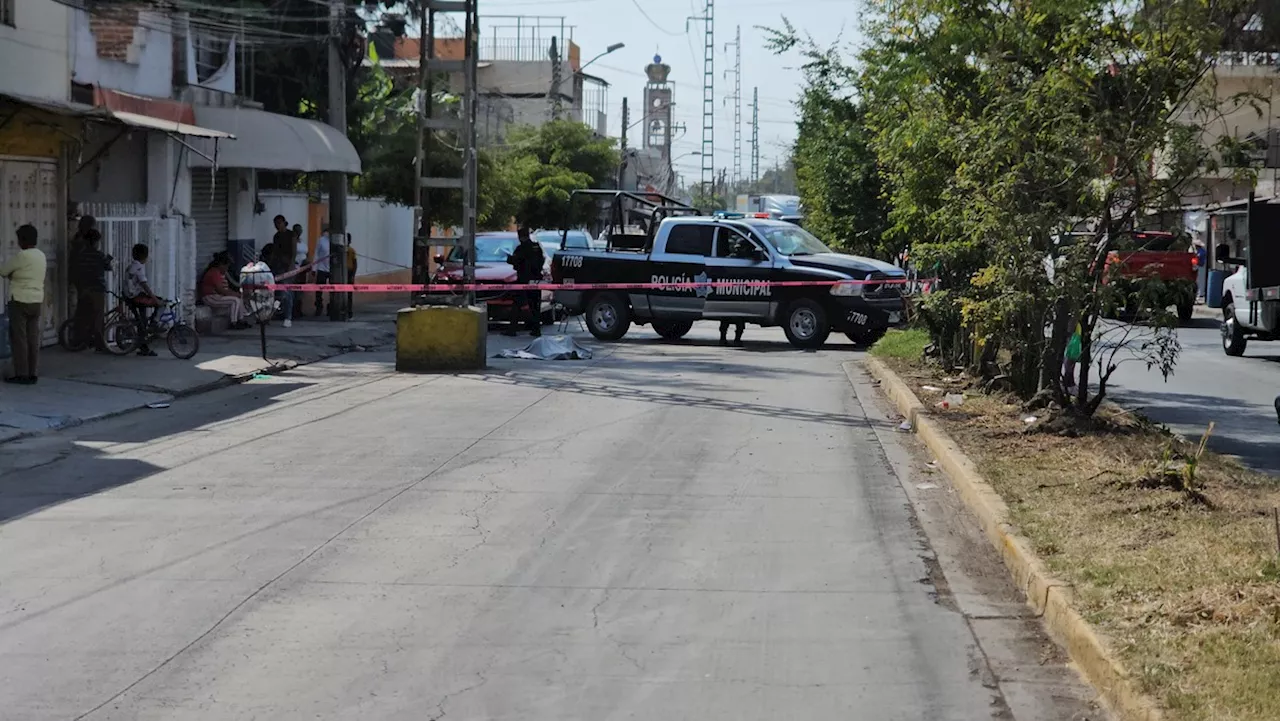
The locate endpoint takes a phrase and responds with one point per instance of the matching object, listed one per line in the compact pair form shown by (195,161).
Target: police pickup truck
(687,255)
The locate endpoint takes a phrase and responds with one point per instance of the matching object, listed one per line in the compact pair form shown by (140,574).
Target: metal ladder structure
(432,125)
(708,98)
(736,99)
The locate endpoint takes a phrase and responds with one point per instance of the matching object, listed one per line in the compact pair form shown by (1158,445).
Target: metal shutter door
(209,210)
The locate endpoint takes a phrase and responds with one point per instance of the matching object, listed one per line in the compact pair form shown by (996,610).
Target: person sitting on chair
(216,291)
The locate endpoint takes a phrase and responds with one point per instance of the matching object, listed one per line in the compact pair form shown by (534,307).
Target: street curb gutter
(1048,596)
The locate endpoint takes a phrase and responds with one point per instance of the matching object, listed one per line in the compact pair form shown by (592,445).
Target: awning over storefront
(269,141)
(167,126)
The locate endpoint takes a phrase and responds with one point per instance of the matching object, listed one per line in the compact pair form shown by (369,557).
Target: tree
(836,170)
(544,165)
(998,127)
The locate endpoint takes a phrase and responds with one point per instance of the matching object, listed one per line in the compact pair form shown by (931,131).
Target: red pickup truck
(1149,257)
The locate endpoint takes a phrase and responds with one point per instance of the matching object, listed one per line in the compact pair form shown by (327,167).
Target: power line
(652,22)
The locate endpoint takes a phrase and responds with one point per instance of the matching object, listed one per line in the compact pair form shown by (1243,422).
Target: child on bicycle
(138,294)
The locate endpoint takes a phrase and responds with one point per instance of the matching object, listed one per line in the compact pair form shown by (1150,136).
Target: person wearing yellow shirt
(25,272)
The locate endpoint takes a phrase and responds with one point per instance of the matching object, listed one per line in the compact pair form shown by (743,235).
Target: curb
(1047,595)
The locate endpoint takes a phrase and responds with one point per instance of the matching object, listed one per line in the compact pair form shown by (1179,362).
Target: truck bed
(1163,264)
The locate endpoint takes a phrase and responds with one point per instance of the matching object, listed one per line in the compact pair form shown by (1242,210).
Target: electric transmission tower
(755,134)
(708,99)
(736,99)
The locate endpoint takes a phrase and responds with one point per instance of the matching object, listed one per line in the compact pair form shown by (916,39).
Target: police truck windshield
(791,240)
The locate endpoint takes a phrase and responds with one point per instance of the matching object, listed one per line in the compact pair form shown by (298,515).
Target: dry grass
(1185,588)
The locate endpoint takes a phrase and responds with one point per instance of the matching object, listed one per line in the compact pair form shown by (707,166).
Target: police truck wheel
(672,329)
(1233,340)
(608,316)
(806,324)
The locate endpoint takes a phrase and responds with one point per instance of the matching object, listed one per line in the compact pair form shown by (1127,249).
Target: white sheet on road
(549,347)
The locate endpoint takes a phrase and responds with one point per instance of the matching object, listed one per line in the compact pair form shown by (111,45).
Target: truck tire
(672,329)
(866,338)
(805,324)
(608,316)
(1233,340)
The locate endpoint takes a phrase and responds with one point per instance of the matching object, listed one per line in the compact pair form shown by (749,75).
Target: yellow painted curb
(1050,597)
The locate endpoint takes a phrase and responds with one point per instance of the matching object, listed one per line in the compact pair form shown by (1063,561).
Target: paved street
(666,532)
(1237,394)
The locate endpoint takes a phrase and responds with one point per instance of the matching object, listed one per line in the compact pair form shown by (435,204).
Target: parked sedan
(492,251)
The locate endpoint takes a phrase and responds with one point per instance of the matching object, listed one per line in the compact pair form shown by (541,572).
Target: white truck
(1251,295)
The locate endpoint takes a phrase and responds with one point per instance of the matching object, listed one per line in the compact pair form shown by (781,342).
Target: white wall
(149,68)
(119,175)
(379,230)
(35,56)
(168,177)
(241,195)
(382,231)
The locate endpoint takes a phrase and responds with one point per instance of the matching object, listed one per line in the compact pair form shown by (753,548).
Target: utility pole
(708,97)
(555,80)
(622,166)
(736,99)
(755,135)
(337,180)
(462,126)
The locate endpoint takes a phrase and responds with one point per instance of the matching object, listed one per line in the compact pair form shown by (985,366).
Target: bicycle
(73,338)
(182,340)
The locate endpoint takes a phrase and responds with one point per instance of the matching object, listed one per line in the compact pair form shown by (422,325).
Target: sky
(600,23)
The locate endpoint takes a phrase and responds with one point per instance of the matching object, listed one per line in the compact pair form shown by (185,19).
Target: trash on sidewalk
(1030,419)
(931,389)
(926,486)
(951,400)
(157,406)
(554,347)
(905,426)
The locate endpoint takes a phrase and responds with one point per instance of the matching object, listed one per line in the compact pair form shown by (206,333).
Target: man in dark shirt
(89,274)
(528,262)
(283,248)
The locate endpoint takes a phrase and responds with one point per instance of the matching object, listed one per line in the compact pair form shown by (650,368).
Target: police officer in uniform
(528,262)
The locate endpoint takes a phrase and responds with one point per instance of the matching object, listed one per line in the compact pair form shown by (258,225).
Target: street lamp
(611,49)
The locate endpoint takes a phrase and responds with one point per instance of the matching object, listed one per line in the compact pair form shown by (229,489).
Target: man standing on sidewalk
(322,267)
(284,248)
(89,275)
(353,265)
(25,272)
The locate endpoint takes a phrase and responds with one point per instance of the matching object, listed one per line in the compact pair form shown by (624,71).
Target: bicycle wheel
(183,341)
(121,337)
(70,337)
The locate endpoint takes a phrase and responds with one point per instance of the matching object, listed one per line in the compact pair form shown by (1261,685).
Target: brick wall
(113,27)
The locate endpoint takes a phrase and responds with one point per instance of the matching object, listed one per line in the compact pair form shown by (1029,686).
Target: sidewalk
(77,388)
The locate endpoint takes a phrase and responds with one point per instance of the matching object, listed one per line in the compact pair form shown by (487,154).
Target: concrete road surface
(666,532)
(1237,394)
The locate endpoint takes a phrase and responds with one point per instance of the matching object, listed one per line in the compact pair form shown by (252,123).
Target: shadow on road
(671,398)
(1248,432)
(33,476)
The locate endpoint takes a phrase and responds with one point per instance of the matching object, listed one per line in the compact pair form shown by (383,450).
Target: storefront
(35,138)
